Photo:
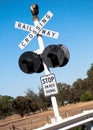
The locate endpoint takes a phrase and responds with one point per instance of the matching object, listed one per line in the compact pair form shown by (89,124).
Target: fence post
(13,127)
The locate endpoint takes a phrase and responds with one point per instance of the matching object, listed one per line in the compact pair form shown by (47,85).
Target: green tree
(20,105)
(34,100)
(63,93)
(90,77)
(44,101)
(6,106)
(90,72)
(87,96)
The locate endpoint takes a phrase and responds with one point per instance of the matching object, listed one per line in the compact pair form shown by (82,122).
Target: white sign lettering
(49,33)
(30,28)
(36,30)
(24,26)
(49,84)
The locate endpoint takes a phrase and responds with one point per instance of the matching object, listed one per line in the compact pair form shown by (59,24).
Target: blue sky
(73,19)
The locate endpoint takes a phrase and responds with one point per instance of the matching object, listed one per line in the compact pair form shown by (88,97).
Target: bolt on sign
(49,85)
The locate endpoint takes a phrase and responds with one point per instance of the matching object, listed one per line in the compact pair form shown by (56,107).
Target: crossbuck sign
(34,30)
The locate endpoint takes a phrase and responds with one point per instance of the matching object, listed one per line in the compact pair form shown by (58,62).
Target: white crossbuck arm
(36,30)
(30,28)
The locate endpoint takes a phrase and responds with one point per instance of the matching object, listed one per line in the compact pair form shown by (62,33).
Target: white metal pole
(55,108)
(47,71)
(41,46)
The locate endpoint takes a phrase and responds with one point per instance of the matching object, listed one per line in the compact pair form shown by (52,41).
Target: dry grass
(41,118)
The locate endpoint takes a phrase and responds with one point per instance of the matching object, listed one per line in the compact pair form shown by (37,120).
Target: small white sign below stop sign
(49,85)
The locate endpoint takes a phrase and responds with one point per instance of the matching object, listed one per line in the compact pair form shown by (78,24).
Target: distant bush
(87,96)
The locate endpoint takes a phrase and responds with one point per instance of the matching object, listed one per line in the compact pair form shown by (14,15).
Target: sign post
(47,77)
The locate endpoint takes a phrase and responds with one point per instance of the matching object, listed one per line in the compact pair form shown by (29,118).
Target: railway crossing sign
(34,30)
(48,83)
(30,28)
